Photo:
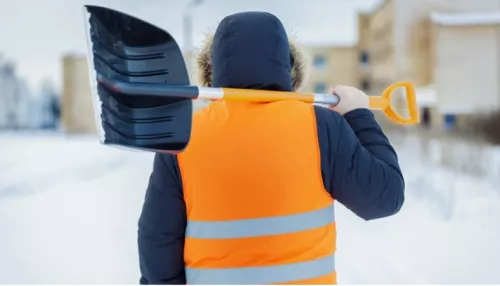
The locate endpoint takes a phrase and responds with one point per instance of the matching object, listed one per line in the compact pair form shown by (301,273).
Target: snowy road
(69,210)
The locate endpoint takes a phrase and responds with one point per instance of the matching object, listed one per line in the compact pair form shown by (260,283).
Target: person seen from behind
(251,199)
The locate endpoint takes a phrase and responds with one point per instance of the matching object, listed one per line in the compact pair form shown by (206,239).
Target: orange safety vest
(257,209)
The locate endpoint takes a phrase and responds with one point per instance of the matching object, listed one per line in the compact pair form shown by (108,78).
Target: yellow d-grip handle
(383,103)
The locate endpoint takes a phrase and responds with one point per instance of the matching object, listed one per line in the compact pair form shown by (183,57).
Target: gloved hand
(351,98)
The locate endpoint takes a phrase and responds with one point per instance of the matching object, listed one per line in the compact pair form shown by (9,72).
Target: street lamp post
(188,30)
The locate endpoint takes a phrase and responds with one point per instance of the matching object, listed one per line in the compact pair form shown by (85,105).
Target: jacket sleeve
(162,225)
(359,166)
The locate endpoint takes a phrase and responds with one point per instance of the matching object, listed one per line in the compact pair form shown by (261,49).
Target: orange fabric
(251,160)
(253,95)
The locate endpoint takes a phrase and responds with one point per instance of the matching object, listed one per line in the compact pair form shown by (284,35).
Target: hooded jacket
(359,167)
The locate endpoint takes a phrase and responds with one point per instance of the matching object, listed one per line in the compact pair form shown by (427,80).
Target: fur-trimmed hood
(240,55)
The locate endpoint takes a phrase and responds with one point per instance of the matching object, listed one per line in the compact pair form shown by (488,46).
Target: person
(251,199)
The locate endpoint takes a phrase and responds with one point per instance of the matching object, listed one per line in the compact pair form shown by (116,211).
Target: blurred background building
(449,49)
(465,63)
(331,65)
(77,106)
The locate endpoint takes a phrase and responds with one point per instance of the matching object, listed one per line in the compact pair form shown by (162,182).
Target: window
(364,57)
(319,62)
(320,88)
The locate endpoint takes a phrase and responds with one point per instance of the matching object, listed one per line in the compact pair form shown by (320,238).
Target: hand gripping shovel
(141,92)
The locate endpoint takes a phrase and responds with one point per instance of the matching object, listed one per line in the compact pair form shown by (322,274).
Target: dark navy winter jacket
(359,167)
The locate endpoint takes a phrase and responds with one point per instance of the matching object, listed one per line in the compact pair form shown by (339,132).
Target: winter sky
(36,33)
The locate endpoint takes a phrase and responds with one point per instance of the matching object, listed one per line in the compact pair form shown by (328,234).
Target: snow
(466,18)
(69,209)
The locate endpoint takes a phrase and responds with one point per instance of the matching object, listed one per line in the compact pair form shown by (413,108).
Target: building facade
(397,37)
(479,53)
(399,42)
(77,114)
(466,64)
(331,65)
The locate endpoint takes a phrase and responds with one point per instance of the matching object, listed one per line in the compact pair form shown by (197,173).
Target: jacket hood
(251,50)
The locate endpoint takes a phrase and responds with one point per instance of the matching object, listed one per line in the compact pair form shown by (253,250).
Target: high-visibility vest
(257,209)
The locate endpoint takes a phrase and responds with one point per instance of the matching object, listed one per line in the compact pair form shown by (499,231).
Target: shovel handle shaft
(382,103)
(269,96)
(194,92)
(148,89)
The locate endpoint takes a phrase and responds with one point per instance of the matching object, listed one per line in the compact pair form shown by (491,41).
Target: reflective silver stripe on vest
(261,226)
(262,275)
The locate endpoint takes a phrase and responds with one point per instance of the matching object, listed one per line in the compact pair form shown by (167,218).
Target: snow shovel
(141,90)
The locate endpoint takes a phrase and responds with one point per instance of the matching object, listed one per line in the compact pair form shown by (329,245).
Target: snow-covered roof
(372,7)
(466,18)
(426,96)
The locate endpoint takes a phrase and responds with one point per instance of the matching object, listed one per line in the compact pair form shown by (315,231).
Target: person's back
(250,200)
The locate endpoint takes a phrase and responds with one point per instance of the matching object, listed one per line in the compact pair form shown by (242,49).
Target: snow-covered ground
(69,210)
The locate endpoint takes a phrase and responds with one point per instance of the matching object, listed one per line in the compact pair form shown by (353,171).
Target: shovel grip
(384,104)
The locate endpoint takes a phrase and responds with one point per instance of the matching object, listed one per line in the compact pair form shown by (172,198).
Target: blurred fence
(457,153)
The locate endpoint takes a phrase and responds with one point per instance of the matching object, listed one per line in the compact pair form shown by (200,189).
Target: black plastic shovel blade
(124,48)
